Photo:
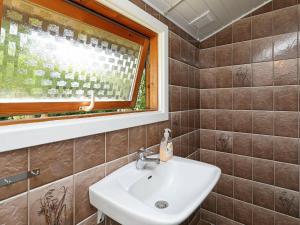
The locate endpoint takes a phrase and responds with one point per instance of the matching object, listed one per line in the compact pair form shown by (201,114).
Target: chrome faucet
(142,160)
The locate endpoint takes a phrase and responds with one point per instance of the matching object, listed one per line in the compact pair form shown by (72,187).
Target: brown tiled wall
(249,112)
(70,167)
(239,112)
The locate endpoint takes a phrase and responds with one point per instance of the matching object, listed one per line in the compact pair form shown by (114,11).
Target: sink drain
(161,204)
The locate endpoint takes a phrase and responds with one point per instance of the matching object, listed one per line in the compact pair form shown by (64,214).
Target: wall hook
(89,107)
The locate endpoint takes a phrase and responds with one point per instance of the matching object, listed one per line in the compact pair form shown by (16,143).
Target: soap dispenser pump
(166,146)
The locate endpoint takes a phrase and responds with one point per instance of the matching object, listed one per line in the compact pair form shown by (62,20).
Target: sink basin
(164,194)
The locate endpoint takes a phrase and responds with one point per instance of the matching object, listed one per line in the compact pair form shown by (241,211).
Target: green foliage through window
(58,59)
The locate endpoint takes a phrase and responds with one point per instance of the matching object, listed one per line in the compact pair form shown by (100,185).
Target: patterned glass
(47,56)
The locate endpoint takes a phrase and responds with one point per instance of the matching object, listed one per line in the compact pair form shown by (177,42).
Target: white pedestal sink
(164,194)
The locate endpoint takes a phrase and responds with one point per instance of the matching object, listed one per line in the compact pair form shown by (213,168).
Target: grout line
(298,66)
(273,121)
(146,127)
(252,116)
(253,205)
(250,40)
(246,156)
(105,152)
(15,197)
(28,187)
(52,183)
(251,62)
(128,143)
(87,219)
(256,182)
(89,169)
(240,87)
(215,214)
(252,134)
(74,185)
(179,61)
(184,87)
(215,124)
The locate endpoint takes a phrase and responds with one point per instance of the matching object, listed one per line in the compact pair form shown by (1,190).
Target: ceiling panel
(186,11)
(209,16)
(181,22)
(198,6)
(233,8)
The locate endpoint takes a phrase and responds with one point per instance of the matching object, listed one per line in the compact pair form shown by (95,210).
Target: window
(58,128)
(55,55)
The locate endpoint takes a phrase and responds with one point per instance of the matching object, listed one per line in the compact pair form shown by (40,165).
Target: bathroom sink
(164,194)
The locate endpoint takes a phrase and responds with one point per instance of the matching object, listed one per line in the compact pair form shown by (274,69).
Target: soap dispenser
(166,146)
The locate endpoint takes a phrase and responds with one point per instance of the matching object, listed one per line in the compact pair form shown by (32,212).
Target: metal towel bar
(20,177)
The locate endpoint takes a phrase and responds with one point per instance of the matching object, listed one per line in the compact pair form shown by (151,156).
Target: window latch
(89,107)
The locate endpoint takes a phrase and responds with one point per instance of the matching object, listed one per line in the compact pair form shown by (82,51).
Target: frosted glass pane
(46,56)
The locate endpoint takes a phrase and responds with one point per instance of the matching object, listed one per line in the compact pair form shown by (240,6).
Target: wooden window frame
(38,132)
(96,14)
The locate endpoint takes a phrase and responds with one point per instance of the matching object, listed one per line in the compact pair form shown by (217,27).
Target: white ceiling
(203,18)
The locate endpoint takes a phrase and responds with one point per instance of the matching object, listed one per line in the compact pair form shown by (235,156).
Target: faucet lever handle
(143,150)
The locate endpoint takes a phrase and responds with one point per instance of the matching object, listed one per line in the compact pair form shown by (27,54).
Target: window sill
(25,135)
